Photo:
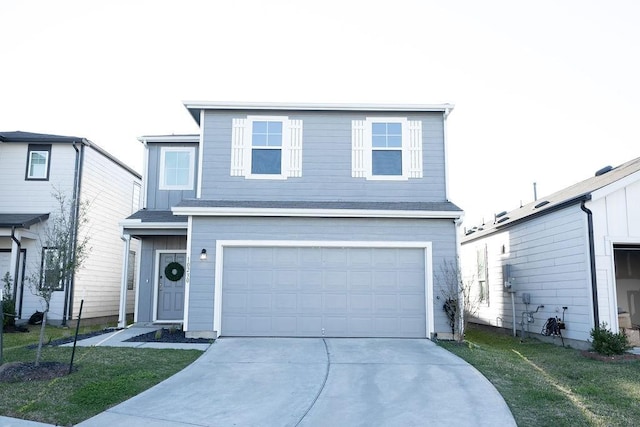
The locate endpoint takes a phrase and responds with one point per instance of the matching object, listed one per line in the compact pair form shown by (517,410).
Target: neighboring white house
(578,248)
(32,167)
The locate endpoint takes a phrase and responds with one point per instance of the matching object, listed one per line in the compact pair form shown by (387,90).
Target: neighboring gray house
(297,220)
(32,167)
(578,248)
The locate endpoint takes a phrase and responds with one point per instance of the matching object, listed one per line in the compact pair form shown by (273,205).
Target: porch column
(122,316)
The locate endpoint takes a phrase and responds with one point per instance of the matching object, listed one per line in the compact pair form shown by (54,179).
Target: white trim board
(428,267)
(324,213)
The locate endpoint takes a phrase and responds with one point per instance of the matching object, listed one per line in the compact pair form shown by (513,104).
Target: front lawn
(104,377)
(545,384)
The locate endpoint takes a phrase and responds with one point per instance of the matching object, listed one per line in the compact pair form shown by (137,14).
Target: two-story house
(302,220)
(33,167)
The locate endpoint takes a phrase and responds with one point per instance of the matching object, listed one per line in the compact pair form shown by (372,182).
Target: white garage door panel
(341,292)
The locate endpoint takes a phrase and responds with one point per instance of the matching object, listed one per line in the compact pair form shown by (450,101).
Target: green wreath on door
(174,271)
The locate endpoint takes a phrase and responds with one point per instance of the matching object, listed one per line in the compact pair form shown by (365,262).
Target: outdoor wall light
(203,255)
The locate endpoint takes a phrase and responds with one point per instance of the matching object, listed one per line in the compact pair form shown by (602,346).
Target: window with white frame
(38,162)
(131,272)
(266,147)
(51,269)
(386,148)
(177,168)
(483,274)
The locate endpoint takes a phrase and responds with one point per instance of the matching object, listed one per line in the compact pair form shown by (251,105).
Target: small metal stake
(75,339)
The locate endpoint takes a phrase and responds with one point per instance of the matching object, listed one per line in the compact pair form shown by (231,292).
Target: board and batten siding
(98,282)
(164,199)
(549,258)
(326,162)
(616,220)
(206,231)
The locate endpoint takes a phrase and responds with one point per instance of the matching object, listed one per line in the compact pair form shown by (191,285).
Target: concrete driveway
(317,382)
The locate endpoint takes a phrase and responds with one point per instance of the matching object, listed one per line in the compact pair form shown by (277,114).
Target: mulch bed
(20,371)
(626,357)
(169,336)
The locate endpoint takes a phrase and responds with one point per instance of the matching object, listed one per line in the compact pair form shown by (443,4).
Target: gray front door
(171,286)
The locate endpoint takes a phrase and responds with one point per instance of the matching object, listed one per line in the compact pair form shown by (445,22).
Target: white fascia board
(170,138)
(212,105)
(136,223)
(325,213)
(615,186)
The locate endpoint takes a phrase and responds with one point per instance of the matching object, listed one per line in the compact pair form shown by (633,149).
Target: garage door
(330,291)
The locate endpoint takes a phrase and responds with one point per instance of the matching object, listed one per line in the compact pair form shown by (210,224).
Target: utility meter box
(507,278)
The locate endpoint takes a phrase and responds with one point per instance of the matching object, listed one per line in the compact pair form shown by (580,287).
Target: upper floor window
(483,274)
(386,148)
(38,162)
(266,147)
(177,168)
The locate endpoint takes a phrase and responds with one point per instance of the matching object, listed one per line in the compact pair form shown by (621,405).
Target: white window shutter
(295,149)
(359,153)
(238,147)
(415,148)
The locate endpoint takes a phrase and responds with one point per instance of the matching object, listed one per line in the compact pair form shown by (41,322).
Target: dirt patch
(19,371)
(626,357)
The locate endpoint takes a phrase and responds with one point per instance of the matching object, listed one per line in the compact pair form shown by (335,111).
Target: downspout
(17,266)
(77,181)
(592,260)
(458,224)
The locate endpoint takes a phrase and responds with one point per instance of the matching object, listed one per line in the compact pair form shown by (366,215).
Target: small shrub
(606,342)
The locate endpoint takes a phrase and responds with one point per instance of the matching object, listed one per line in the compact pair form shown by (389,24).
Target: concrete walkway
(317,382)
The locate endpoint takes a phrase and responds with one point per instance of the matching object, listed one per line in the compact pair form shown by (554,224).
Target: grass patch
(105,376)
(545,384)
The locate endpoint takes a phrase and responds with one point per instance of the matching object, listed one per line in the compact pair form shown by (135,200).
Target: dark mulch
(20,371)
(169,336)
(70,339)
(614,358)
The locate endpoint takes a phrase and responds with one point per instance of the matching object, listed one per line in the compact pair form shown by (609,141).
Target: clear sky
(546,91)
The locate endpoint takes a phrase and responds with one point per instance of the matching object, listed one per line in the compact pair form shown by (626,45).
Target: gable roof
(194,107)
(582,191)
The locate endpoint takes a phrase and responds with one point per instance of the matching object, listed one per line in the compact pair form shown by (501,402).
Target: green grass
(105,376)
(545,384)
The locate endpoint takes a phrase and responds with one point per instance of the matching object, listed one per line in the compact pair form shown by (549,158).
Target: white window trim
(362,151)
(291,148)
(46,154)
(192,155)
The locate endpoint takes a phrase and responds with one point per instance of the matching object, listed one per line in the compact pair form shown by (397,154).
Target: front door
(171,286)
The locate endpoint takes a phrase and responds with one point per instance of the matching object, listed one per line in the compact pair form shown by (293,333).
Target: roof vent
(503,219)
(604,170)
(503,213)
(541,204)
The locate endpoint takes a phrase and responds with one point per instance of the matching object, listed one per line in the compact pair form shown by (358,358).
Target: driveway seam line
(324,382)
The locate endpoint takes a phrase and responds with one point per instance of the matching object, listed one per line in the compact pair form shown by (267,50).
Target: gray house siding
(549,259)
(206,231)
(326,162)
(163,199)
(149,246)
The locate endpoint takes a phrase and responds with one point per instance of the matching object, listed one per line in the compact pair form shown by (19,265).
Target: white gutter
(326,213)
(138,224)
